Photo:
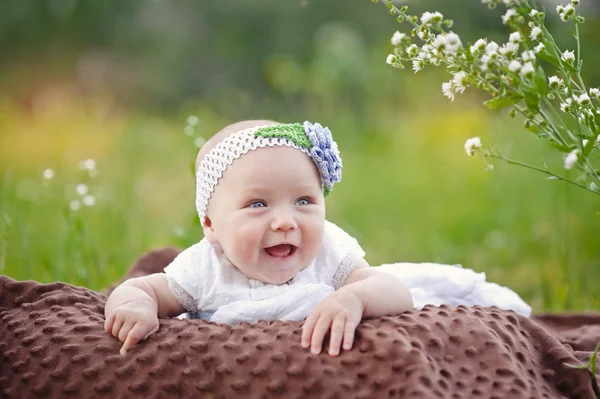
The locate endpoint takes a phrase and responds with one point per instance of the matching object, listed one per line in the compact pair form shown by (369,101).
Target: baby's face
(268,213)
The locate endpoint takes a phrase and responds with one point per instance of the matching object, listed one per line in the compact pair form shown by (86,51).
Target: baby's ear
(209,232)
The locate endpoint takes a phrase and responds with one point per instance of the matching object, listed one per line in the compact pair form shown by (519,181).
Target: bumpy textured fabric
(203,280)
(53,345)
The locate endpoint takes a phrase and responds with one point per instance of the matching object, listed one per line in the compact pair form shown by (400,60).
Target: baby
(267,252)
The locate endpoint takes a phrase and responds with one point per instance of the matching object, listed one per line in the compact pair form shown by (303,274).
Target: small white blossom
(509,16)
(568,10)
(89,200)
(188,130)
(566,106)
(81,189)
(514,66)
(538,49)
(89,164)
(508,49)
(534,12)
(417,65)
(453,43)
(583,99)
(412,50)
(510,2)
(439,42)
(571,159)
(472,145)
(555,82)
(390,59)
(397,38)
(560,9)
(491,47)
(48,174)
(459,81)
(193,120)
(528,70)
(584,142)
(595,93)
(199,142)
(75,205)
(448,91)
(528,55)
(515,37)
(568,56)
(485,62)
(479,45)
(536,32)
(427,17)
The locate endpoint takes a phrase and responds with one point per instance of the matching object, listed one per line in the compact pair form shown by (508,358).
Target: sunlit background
(137,85)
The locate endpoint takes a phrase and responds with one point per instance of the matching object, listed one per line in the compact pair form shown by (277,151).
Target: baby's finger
(349,330)
(125,331)
(308,327)
(108,323)
(117,325)
(135,335)
(337,333)
(319,333)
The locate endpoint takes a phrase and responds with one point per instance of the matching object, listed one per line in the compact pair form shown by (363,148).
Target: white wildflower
(397,38)
(528,70)
(478,46)
(514,66)
(568,10)
(48,174)
(485,62)
(510,2)
(89,164)
(528,55)
(584,99)
(437,16)
(193,120)
(508,49)
(534,12)
(459,82)
(555,82)
(509,16)
(595,93)
(199,142)
(453,43)
(538,49)
(439,42)
(515,37)
(584,142)
(426,18)
(89,200)
(491,47)
(560,9)
(536,32)
(566,106)
(81,189)
(448,91)
(391,58)
(472,145)
(568,56)
(417,65)
(75,205)
(189,130)
(564,17)
(412,50)
(571,159)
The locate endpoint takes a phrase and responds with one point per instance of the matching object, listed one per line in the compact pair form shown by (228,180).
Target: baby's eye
(257,204)
(303,201)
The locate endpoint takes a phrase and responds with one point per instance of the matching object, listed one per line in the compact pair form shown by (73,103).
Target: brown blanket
(53,345)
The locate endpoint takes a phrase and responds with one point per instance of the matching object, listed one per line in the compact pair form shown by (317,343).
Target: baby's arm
(367,292)
(133,308)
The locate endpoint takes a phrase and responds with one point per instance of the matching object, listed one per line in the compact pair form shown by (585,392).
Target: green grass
(409,194)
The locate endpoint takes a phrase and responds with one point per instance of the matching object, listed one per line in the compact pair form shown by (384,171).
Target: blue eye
(257,204)
(303,201)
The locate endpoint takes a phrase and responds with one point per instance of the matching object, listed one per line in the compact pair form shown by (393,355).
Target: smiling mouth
(281,251)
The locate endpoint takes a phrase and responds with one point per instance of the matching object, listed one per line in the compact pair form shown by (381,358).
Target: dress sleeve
(187,276)
(341,253)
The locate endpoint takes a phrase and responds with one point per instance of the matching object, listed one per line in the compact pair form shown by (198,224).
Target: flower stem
(544,171)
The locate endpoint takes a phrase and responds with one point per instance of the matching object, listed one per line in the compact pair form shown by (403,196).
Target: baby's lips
(280,251)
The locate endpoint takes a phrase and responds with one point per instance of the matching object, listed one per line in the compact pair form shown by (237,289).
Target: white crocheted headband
(312,139)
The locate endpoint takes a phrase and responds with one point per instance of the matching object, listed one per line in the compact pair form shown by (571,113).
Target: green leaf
(548,58)
(561,147)
(503,102)
(533,129)
(532,99)
(541,81)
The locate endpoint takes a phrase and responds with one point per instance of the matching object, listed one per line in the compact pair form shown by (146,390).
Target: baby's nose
(283,222)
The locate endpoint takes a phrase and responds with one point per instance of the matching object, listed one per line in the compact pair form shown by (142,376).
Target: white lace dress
(210,287)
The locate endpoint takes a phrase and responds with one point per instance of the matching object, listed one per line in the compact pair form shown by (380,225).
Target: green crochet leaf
(292,131)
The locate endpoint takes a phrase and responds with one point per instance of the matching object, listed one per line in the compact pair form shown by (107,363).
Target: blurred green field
(117,81)
(409,193)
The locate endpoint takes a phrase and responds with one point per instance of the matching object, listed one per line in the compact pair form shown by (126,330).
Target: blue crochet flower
(325,154)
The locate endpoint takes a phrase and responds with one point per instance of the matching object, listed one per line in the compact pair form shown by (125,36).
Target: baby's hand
(341,312)
(132,322)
